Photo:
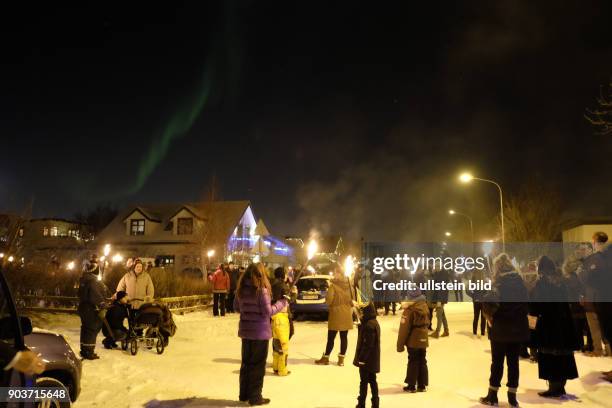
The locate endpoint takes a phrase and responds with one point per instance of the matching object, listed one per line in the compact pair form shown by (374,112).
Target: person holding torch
(340,303)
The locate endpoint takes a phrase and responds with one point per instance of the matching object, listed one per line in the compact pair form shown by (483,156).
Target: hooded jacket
(368,341)
(413,325)
(92,292)
(255,310)
(340,304)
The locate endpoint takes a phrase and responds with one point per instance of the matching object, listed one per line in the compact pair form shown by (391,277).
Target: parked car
(309,296)
(63,368)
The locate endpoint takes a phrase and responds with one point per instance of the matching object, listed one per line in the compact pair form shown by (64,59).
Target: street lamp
(210,253)
(107,249)
(467,177)
(448,234)
(453,212)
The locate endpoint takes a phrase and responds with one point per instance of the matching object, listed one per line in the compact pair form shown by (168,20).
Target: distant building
(582,230)
(191,237)
(43,240)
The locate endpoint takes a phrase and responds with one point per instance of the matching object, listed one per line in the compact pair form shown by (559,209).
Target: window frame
(135,227)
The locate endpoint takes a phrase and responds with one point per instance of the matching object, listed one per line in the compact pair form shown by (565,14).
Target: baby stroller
(144,327)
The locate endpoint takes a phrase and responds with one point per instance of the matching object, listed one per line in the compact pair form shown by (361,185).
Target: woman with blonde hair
(252,301)
(505,309)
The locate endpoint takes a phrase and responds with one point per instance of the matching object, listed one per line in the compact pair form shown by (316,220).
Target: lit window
(184,226)
(21,232)
(45,232)
(137,227)
(53,232)
(73,233)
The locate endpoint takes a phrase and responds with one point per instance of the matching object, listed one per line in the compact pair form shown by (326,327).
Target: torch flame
(349,265)
(312,249)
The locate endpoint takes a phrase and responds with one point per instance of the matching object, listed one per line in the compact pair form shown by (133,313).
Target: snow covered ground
(200,369)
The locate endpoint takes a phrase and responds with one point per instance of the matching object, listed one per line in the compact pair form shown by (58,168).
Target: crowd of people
(99,309)
(549,312)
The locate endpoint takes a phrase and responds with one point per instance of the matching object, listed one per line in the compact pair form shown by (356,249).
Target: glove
(102,314)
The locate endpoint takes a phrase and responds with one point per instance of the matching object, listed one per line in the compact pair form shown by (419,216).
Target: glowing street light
(11,258)
(107,249)
(70,265)
(448,234)
(210,253)
(453,212)
(117,258)
(468,177)
(1,255)
(465,177)
(312,249)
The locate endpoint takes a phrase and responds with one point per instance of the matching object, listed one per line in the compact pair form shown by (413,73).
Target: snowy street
(200,369)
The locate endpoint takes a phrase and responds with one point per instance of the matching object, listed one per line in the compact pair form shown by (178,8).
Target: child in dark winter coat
(113,328)
(412,335)
(367,355)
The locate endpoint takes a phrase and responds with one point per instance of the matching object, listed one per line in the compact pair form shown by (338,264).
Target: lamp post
(467,177)
(453,212)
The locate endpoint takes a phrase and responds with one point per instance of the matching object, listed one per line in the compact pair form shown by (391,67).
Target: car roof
(316,277)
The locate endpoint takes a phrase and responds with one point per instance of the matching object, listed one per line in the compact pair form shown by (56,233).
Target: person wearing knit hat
(92,301)
(138,285)
(412,335)
(113,328)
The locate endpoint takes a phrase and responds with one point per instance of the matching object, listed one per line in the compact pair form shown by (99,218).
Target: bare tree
(533,215)
(98,217)
(601,116)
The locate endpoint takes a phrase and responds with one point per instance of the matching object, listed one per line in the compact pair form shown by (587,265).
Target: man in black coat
(367,355)
(92,301)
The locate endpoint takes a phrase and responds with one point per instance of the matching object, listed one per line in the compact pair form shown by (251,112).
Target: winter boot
(340,360)
(435,334)
(491,398)
(555,390)
(512,399)
(88,354)
(324,360)
(259,401)
(360,402)
(375,402)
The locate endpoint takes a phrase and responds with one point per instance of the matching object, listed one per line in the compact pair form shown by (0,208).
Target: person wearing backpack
(412,335)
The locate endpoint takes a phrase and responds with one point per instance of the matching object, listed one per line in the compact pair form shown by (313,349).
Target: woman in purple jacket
(253,303)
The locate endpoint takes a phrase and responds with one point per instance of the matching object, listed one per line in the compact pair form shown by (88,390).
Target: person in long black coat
(556,336)
(505,308)
(367,355)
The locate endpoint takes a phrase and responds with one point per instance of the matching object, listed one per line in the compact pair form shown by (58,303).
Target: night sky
(346,118)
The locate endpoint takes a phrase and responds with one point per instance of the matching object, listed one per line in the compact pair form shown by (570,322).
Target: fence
(68,304)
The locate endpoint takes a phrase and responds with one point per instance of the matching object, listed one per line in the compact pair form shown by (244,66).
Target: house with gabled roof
(186,236)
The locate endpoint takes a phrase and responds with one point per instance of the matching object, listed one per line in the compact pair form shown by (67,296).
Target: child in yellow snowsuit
(281,325)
